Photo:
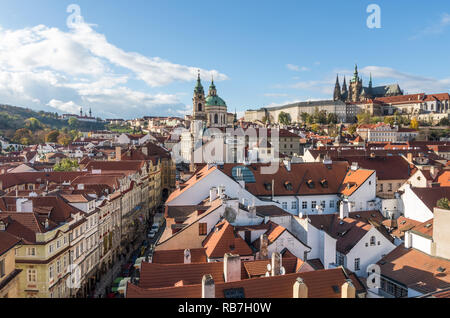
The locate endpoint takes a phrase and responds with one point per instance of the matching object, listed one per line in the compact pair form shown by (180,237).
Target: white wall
(421,243)
(365,193)
(368,255)
(414,208)
(287,240)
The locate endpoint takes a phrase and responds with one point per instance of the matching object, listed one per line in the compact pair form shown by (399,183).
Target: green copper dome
(215,101)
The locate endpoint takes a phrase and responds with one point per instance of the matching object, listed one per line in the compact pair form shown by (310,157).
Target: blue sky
(134,58)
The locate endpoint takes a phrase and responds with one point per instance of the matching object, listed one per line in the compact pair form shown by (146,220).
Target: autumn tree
(52,136)
(414,123)
(66,165)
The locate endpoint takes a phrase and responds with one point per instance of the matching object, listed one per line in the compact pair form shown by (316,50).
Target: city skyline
(142,60)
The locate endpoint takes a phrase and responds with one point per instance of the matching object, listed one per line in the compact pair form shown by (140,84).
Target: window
(331,204)
(50,248)
(313,204)
(58,244)
(2,268)
(284,205)
(31,251)
(294,205)
(357,264)
(58,267)
(31,275)
(340,260)
(202,229)
(304,205)
(372,241)
(50,272)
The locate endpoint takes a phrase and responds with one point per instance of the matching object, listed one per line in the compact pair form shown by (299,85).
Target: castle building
(358,93)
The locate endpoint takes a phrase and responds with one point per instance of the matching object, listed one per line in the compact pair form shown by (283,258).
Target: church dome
(215,101)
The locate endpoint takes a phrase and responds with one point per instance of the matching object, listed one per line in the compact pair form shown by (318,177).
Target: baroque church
(211,110)
(356,92)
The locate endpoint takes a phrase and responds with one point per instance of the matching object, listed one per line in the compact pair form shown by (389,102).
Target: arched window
(216,119)
(200,107)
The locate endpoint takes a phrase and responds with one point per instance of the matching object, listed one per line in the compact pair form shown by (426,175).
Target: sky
(128,59)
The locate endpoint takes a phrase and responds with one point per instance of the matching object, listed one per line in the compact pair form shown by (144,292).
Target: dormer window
(324,183)
(288,185)
(310,184)
(268,186)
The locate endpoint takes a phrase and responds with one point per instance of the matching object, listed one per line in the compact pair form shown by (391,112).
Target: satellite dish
(269,267)
(282,271)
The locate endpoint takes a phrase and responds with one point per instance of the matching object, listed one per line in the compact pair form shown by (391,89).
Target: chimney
(433,171)
(208,287)
(264,243)
(1,185)
(144,150)
(300,289)
(187,256)
(409,157)
(276,264)
(348,290)
(46,224)
(343,210)
(212,194)
(232,268)
(24,205)
(118,153)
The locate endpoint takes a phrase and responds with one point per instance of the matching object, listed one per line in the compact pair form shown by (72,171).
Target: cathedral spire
(344,93)
(337,89)
(199,86)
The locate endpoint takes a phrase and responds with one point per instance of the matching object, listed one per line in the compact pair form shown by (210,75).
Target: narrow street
(103,288)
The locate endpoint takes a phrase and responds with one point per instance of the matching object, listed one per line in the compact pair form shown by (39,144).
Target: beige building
(9,275)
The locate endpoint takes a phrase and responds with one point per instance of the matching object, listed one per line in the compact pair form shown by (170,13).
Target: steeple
(337,90)
(355,75)
(81,112)
(199,86)
(90,112)
(344,93)
(370,82)
(212,88)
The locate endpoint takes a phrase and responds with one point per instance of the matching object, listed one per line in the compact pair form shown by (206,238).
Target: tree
(66,165)
(64,139)
(73,123)
(332,118)
(315,128)
(23,136)
(284,118)
(443,204)
(390,120)
(33,124)
(52,136)
(444,122)
(364,118)
(304,117)
(352,129)
(414,124)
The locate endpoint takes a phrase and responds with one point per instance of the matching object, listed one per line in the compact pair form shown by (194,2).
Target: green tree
(332,118)
(284,118)
(304,117)
(390,120)
(443,204)
(444,122)
(364,118)
(352,129)
(66,165)
(73,123)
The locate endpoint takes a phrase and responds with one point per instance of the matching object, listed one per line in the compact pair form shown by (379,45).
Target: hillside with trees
(26,126)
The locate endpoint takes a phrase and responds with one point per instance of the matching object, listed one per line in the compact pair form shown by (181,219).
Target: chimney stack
(276,264)
(232,268)
(187,256)
(409,157)
(118,153)
(208,287)
(212,194)
(300,289)
(348,290)
(263,247)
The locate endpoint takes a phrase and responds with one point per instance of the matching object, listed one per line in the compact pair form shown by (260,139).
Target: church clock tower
(199,101)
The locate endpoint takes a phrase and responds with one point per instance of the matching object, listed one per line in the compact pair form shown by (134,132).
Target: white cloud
(46,68)
(296,68)
(275,95)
